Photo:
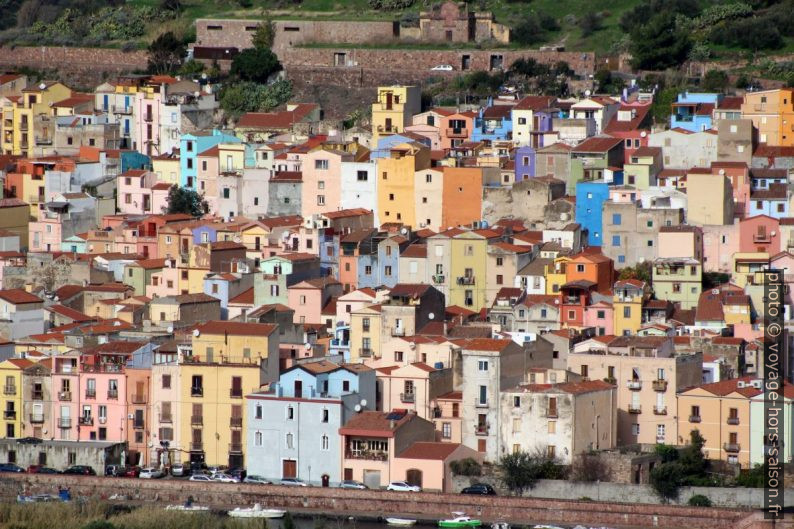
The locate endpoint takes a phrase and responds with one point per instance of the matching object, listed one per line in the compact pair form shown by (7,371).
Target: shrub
(699,500)
(590,468)
(466,467)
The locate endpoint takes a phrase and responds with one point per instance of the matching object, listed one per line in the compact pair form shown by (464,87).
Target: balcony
(732,448)
(196,447)
(367,455)
(166,418)
(138,425)
(236,393)
(384,128)
(40,140)
(660,439)
(481,429)
(762,238)
(65,422)
(611,380)
(23,126)
(634,384)
(398,331)
(148,118)
(480,403)
(235,448)
(196,392)
(103,420)
(660,410)
(90,393)
(10,415)
(457,133)
(635,409)
(36,418)
(407,397)
(85,421)
(365,352)
(733,421)
(659,385)
(121,109)
(438,279)
(466,280)
(138,398)
(236,422)
(113,394)
(65,396)
(551,413)
(9,390)
(196,420)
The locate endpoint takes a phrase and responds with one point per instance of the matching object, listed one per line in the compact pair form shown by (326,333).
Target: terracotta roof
(771,151)
(237,328)
(415,250)
(429,450)
(68,312)
(598,144)
(634,123)
(287,176)
(280,222)
(375,423)
(276,120)
(483,344)
(574,388)
(226,245)
(17,296)
(21,363)
(452,395)
(774,192)
(516,248)
(246,297)
(509,292)
(497,112)
(534,103)
(344,213)
(455,310)
(726,387)
(12,203)
(150,264)
(409,290)
(116,347)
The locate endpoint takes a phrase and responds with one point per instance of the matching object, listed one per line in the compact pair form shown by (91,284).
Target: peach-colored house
(720,242)
(134,192)
(680,241)
(601,317)
(353,301)
(427,464)
(739,175)
(456,129)
(759,234)
(447,416)
(309,297)
(160,197)
(413,387)
(321,190)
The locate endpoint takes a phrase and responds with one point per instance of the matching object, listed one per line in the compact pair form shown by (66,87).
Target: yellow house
(396,182)
(628,298)
(745,266)
(167,169)
(467,276)
(365,333)
(394,109)
(772,113)
(710,198)
(225,361)
(11,376)
(555,275)
(644,165)
(32,116)
(255,238)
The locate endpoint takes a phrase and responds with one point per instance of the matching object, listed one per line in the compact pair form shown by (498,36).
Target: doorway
(414,477)
(326,479)
(289,468)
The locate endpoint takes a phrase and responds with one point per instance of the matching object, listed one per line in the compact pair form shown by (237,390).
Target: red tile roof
(68,312)
(17,296)
(276,120)
(375,424)
(236,328)
(483,344)
(244,298)
(429,450)
(598,144)
(534,103)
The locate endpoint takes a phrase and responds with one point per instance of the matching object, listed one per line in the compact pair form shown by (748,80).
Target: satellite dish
(357,407)
(587,93)
(412,345)
(643,134)
(431,316)
(308,346)
(42,86)
(404,231)
(196,333)
(363,402)
(170,328)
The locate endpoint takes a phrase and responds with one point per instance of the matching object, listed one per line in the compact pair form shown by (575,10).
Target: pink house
(412,387)
(45,233)
(759,234)
(207,174)
(739,175)
(134,192)
(600,316)
(427,464)
(309,297)
(168,281)
(427,124)
(719,245)
(146,130)
(321,190)
(65,396)
(102,395)
(160,197)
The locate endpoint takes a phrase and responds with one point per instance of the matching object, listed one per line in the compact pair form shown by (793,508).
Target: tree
(714,81)
(520,470)
(659,44)
(165,54)
(699,500)
(175,6)
(265,35)
(533,28)
(255,64)
(663,104)
(666,479)
(590,467)
(590,23)
(641,272)
(239,98)
(466,467)
(184,200)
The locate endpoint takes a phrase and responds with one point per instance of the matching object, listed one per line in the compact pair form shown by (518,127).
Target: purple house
(525,162)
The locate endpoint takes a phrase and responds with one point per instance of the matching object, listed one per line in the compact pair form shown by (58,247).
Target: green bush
(466,467)
(699,500)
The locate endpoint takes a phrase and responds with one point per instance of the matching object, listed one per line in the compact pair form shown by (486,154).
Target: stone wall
(425,505)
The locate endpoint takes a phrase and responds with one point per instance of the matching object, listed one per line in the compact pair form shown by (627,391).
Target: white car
(403,486)
(150,473)
(199,477)
(256,479)
(442,68)
(293,482)
(225,478)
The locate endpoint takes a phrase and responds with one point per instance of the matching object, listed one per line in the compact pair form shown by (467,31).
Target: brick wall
(428,505)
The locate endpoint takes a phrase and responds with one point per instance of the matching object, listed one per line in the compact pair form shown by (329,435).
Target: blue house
(693,112)
(205,233)
(590,197)
(525,163)
(772,201)
(386,143)
(763,178)
(133,160)
(493,123)
(191,145)
(388,260)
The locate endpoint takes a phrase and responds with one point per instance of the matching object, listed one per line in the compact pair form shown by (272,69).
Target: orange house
(456,129)
(461,202)
(591,267)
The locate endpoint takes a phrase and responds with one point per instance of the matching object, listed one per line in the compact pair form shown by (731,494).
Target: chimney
(392,424)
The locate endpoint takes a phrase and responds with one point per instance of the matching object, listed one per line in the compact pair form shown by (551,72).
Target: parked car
(403,486)
(352,484)
(239,473)
(180,470)
(442,68)
(150,473)
(259,480)
(129,472)
(479,488)
(223,477)
(199,477)
(10,467)
(113,470)
(40,469)
(80,470)
(294,482)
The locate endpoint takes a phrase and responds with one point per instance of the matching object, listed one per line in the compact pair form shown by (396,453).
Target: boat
(459,521)
(256,512)
(405,522)
(546,527)
(500,525)
(187,508)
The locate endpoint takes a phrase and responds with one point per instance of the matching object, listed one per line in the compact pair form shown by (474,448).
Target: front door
(348,474)
(326,480)
(414,477)
(289,468)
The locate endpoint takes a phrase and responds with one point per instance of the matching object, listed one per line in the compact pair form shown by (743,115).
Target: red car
(130,472)
(41,469)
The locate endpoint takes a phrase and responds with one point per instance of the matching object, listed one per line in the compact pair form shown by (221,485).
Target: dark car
(80,470)
(479,488)
(238,473)
(40,469)
(11,467)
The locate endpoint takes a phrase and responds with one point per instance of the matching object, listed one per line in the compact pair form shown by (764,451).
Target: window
(325,442)
(552,427)
(499,279)
(627,312)
(290,441)
(650,243)
(551,451)
(362,176)
(516,424)
(600,314)
(695,413)
(621,258)
(321,164)
(516,402)
(616,219)
(321,184)
(616,240)
(258,412)
(290,413)
(660,431)
(635,429)
(482,365)
(258,439)
(483,396)
(387,271)
(325,415)
(320,200)
(398,356)
(446,430)
(166,381)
